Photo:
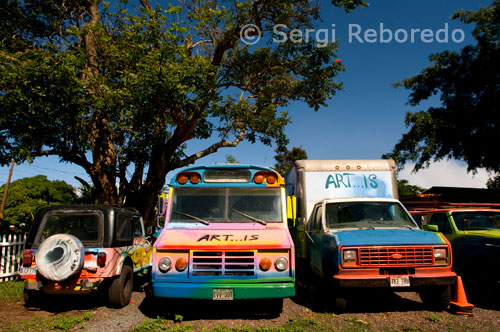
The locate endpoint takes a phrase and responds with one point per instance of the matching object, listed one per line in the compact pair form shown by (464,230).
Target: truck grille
(396,256)
(223,263)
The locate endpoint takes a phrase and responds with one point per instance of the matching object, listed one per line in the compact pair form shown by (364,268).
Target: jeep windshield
(477,220)
(367,215)
(86,226)
(226,205)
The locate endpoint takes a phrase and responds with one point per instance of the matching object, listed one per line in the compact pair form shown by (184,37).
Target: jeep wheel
(31,298)
(120,290)
(436,298)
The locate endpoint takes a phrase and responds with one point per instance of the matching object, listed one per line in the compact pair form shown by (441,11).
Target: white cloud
(445,173)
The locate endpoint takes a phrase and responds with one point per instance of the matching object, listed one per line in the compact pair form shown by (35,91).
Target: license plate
(400,281)
(223,294)
(27,270)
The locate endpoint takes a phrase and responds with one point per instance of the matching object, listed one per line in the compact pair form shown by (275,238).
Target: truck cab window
(441,220)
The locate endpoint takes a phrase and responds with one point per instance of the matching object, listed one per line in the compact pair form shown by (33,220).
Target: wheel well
(126,261)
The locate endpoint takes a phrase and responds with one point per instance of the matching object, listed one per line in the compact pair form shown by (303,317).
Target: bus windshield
(226,205)
(367,214)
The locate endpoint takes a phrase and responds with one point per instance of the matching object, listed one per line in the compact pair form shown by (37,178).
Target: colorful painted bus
(225,236)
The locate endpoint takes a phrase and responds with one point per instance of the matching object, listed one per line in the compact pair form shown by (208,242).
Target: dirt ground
(373,311)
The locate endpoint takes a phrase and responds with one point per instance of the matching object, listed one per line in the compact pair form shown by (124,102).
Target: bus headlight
(165,264)
(281,264)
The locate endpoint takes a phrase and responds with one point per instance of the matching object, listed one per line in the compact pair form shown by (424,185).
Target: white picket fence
(11,252)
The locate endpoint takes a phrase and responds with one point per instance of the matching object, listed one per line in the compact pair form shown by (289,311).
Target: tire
(273,307)
(60,257)
(120,290)
(436,298)
(31,298)
(340,303)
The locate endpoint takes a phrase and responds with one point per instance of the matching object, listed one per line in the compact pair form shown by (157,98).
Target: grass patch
(354,324)
(11,290)
(435,318)
(56,323)
(293,325)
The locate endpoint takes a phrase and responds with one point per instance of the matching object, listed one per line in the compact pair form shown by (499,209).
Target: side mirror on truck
(431,228)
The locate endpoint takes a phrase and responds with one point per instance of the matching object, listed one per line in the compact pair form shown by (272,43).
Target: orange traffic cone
(459,305)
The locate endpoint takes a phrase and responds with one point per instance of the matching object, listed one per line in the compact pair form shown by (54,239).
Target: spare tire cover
(59,257)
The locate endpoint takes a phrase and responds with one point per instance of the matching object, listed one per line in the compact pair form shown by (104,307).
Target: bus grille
(396,256)
(223,263)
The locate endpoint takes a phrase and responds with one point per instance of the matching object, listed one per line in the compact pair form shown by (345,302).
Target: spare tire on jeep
(59,257)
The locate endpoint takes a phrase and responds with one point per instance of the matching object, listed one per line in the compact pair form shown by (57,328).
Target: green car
(474,234)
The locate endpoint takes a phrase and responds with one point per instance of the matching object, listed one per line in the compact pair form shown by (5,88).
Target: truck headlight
(281,264)
(440,256)
(165,264)
(350,257)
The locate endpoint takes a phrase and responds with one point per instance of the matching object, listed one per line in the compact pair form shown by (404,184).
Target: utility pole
(4,198)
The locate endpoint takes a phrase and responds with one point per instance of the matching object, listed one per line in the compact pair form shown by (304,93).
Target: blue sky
(366,119)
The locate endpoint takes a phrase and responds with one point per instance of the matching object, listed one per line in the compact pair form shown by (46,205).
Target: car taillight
(27,258)
(101,259)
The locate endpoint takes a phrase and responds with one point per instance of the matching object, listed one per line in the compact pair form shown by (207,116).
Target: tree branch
(212,149)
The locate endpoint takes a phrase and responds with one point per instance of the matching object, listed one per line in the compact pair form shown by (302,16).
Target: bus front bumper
(226,291)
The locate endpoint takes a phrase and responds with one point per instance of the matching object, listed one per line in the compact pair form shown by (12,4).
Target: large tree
(119,90)
(26,196)
(285,158)
(467,124)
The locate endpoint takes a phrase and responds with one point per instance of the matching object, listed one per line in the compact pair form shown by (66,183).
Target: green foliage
(494,182)
(11,290)
(405,189)
(435,318)
(231,159)
(354,324)
(121,93)
(286,158)
(26,196)
(467,122)
(64,322)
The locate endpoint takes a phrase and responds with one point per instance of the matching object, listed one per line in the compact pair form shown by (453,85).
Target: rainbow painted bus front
(225,236)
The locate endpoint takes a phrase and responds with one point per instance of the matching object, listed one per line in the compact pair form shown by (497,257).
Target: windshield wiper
(193,217)
(250,217)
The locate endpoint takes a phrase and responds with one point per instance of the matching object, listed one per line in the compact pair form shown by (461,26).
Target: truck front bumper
(240,291)
(370,278)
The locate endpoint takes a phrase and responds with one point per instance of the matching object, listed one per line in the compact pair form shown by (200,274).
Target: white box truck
(350,229)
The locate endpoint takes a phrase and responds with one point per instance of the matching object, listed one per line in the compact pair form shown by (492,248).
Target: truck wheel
(436,298)
(120,290)
(273,307)
(340,303)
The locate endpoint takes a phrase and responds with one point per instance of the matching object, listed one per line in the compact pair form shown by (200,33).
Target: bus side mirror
(161,208)
(431,228)
(291,210)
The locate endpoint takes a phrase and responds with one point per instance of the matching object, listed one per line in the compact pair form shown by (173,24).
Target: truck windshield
(226,205)
(367,214)
(477,220)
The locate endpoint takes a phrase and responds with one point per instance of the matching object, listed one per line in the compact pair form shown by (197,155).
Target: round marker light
(271,179)
(258,178)
(195,178)
(265,264)
(180,264)
(182,178)
(281,264)
(165,264)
